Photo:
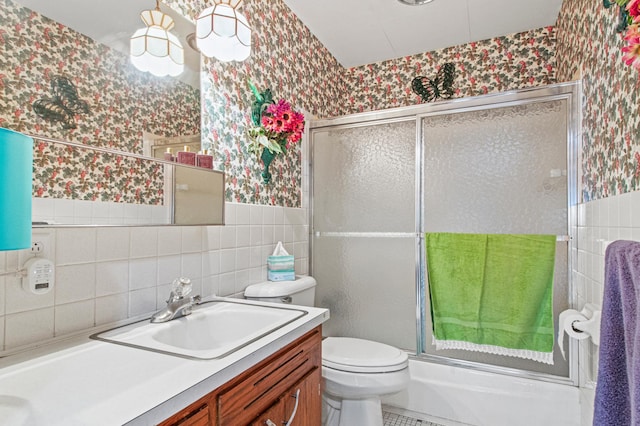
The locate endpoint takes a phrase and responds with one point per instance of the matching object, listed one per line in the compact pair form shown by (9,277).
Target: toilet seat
(362,356)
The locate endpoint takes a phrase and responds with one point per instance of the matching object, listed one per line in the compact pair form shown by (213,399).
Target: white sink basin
(214,329)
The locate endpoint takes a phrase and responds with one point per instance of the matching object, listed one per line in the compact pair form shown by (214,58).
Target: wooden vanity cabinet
(199,413)
(301,404)
(266,392)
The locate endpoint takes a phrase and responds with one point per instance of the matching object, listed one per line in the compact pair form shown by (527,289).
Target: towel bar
(560,238)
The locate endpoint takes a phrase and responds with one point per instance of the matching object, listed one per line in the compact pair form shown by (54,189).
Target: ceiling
(359,32)
(356,32)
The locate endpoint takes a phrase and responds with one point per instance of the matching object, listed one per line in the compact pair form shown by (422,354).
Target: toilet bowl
(356,372)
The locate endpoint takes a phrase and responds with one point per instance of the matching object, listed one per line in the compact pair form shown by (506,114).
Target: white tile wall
(28,327)
(112,278)
(80,212)
(599,223)
(144,242)
(110,309)
(112,244)
(105,275)
(74,317)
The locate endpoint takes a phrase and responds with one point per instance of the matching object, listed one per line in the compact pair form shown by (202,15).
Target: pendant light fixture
(153,48)
(222,32)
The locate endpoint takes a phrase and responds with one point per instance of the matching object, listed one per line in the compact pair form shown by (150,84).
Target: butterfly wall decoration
(441,86)
(63,106)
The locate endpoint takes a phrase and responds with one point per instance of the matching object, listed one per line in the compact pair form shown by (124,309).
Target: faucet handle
(181,287)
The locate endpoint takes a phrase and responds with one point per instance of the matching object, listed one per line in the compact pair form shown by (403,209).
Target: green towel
(492,289)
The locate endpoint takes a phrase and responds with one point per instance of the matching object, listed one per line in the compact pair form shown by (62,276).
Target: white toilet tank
(302,291)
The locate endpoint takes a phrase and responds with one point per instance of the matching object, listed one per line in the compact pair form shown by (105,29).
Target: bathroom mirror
(98,186)
(131,111)
(112,24)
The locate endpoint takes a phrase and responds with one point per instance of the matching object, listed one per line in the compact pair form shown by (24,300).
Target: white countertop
(87,382)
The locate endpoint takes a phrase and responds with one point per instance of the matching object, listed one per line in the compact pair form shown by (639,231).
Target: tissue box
(281,275)
(280,263)
(281,268)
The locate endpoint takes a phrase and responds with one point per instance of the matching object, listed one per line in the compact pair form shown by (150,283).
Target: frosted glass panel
(501,170)
(364,178)
(364,182)
(368,284)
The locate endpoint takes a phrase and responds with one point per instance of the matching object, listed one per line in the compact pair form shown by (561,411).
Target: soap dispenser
(186,157)
(204,159)
(168,155)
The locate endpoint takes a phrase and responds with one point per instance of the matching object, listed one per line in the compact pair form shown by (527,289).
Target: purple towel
(617,400)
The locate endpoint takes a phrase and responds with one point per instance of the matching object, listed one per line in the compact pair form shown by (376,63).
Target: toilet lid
(361,356)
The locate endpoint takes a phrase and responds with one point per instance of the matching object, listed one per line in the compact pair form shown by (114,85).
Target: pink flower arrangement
(631,52)
(276,126)
(285,124)
(633,7)
(629,23)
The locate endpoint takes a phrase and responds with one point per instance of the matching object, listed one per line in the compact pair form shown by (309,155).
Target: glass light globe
(154,49)
(223,33)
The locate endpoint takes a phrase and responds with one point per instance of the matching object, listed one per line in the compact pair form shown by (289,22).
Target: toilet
(356,372)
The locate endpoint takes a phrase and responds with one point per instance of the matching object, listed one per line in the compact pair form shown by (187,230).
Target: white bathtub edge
(469,397)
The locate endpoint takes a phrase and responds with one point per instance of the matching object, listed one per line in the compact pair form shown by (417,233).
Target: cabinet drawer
(258,390)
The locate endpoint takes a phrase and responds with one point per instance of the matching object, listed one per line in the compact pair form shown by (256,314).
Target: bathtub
(460,396)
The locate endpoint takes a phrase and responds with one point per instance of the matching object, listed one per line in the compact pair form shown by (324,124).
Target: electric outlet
(37,247)
(42,246)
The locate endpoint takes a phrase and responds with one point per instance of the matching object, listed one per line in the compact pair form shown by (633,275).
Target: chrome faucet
(178,304)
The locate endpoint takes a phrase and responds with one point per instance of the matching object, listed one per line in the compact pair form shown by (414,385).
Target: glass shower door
(500,170)
(363,226)
(504,163)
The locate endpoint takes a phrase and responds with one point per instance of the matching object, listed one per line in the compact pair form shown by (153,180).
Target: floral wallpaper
(123,101)
(512,62)
(103,176)
(589,46)
(290,60)
(285,57)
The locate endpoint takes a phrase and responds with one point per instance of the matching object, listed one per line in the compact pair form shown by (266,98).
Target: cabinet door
(301,405)
(274,416)
(309,401)
(195,415)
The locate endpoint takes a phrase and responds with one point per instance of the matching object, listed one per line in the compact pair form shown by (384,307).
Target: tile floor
(392,419)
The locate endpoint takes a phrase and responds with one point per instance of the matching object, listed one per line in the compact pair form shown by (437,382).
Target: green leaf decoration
(254,89)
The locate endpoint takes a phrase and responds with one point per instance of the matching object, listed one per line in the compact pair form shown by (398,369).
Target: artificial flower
(276,125)
(633,7)
(631,52)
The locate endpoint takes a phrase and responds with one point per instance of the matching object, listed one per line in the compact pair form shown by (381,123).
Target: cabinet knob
(270,423)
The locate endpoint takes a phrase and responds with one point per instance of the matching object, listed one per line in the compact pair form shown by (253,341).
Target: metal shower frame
(571,93)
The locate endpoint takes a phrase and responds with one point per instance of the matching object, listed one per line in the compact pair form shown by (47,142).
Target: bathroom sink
(215,329)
